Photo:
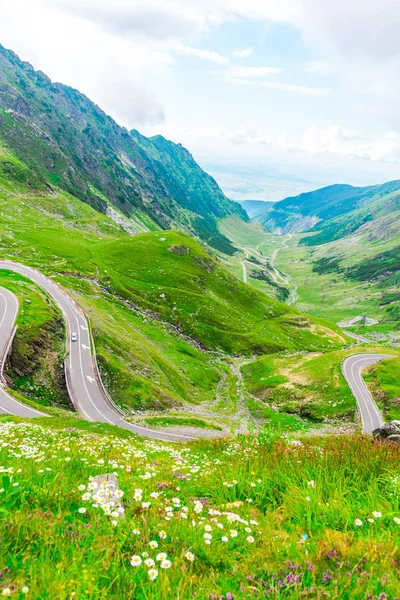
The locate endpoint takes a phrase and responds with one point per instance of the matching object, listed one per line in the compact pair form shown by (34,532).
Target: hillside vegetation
(245,518)
(166,315)
(69,142)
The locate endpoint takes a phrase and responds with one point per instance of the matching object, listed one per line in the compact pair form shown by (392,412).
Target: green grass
(305,500)
(164,322)
(35,365)
(310,386)
(383,380)
(325,291)
(180,422)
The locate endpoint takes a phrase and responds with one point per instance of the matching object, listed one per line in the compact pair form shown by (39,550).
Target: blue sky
(271,97)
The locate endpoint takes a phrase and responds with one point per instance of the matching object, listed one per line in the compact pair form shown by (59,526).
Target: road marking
(71,314)
(360,391)
(85,347)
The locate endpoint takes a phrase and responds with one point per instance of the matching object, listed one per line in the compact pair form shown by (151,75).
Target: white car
(74,337)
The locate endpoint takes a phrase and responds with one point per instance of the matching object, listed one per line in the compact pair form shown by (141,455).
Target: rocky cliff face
(71,143)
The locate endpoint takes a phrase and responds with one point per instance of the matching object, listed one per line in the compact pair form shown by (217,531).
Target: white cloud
(297,89)
(240,72)
(315,141)
(245,53)
(158,19)
(209,55)
(320,67)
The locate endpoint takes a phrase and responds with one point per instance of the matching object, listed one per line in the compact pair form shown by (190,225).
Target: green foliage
(383,380)
(380,265)
(35,365)
(78,147)
(180,422)
(158,314)
(285,506)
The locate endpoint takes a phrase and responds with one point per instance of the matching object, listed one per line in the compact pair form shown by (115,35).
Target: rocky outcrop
(388,432)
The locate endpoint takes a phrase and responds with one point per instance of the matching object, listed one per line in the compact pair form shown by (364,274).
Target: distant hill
(316,210)
(72,144)
(255,208)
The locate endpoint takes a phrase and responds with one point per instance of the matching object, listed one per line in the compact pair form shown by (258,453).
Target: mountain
(315,210)
(350,237)
(255,208)
(166,315)
(70,143)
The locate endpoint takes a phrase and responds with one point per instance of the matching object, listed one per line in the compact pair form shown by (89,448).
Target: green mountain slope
(316,210)
(69,142)
(167,316)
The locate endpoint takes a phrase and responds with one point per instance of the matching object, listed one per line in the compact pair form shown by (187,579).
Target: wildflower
(146,504)
(224,538)
(6,592)
(119,493)
(311,483)
(162,534)
(250,539)
(371,520)
(377,515)
(136,561)
(207,536)
(92,485)
(358,523)
(161,556)
(153,544)
(114,523)
(233,533)
(25,590)
(81,487)
(82,510)
(149,562)
(86,496)
(207,528)
(247,529)
(165,564)
(153,574)
(135,531)
(396,520)
(189,556)
(308,498)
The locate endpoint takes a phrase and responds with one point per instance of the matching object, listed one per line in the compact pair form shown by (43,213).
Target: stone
(109,481)
(387,430)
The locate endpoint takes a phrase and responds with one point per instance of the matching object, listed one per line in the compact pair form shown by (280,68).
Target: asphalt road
(85,388)
(84,385)
(352,370)
(8,314)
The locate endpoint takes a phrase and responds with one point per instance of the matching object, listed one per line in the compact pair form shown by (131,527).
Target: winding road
(84,384)
(352,368)
(85,388)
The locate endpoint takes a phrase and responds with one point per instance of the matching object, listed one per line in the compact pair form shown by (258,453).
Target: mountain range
(69,142)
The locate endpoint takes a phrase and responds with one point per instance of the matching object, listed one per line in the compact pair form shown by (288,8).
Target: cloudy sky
(271,96)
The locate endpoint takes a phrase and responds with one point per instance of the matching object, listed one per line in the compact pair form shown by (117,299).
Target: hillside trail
(278,277)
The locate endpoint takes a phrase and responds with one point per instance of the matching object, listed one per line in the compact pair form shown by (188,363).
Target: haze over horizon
(305,96)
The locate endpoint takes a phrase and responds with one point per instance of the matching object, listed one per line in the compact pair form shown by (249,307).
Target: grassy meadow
(250,517)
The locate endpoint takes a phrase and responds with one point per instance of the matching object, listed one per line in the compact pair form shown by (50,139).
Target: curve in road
(84,384)
(352,368)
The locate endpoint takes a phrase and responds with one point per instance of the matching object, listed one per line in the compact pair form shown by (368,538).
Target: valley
(193,399)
